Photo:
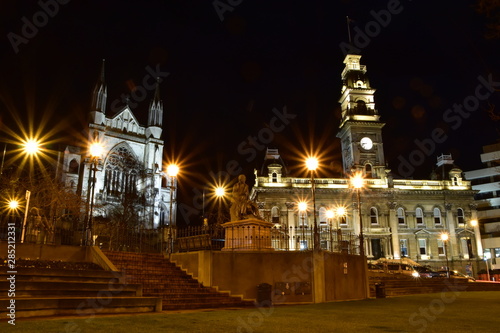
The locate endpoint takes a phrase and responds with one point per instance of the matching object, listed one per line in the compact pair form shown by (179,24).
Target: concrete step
(78,306)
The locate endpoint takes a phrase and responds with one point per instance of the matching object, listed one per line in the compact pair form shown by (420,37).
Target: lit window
(373,215)
(437,216)
(403,244)
(460,216)
(422,246)
(419,215)
(401,215)
(440,247)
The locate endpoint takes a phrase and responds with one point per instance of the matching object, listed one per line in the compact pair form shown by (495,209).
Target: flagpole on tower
(349,29)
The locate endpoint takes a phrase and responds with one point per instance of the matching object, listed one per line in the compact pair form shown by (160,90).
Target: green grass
(446,312)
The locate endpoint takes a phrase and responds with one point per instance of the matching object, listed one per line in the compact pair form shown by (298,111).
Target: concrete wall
(295,277)
(49,252)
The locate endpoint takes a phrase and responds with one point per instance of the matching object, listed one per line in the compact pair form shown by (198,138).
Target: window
(343,220)
(403,245)
(401,215)
(368,171)
(373,215)
(73,167)
(422,246)
(441,247)
(322,215)
(437,216)
(275,215)
(460,216)
(419,215)
(274,177)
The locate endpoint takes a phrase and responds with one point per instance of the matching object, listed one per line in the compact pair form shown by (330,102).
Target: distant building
(129,175)
(487,182)
(400,218)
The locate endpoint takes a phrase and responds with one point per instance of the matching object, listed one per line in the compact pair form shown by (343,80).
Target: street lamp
(172,171)
(302,206)
(330,214)
(312,165)
(219,193)
(357,182)
(444,237)
(95,151)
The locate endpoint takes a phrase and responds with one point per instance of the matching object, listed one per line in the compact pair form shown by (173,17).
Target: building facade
(127,175)
(487,182)
(397,217)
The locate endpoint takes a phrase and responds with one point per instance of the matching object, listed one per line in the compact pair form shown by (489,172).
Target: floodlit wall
(295,277)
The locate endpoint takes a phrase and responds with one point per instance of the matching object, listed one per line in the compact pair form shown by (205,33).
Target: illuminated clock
(366,143)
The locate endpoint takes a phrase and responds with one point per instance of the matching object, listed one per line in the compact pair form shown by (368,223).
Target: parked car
(426,272)
(457,275)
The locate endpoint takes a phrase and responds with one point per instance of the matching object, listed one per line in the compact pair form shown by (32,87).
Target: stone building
(128,171)
(399,217)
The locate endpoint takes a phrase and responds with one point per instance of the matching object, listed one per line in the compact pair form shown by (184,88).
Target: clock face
(366,143)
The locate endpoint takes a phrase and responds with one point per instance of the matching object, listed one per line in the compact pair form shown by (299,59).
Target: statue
(241,206)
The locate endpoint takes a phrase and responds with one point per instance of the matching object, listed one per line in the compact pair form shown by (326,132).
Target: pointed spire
(100,93)
(156,108)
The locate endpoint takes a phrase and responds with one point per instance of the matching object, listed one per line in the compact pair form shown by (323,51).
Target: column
(393,224)
(450,223)
(477,233)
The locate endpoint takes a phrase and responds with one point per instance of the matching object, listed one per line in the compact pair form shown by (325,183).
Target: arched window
(373,215)
(401,215)
(73,167)
(275,177)
(419,215)
(437,216)
(275,214)
(368,171)
(361,107)
(121,173)
(460,216)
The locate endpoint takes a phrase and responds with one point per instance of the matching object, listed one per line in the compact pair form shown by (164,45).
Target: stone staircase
(161,278)
(51,292)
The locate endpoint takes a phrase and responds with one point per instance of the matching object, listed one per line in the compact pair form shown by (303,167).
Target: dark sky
(226,76)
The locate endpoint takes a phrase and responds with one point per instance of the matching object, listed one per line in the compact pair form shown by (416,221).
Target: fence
(193,238)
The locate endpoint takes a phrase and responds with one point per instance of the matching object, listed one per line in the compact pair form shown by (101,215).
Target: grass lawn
(440,312)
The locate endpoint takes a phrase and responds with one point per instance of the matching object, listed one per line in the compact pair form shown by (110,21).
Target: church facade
(398,218)
(126,178)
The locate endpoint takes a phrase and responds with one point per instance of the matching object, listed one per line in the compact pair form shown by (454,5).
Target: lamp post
(330,214)
(340,212)
(95,150)
(31,147)
(312,165)
(444,238)
(302,205)
(219,193)
(172,171)
(358,182)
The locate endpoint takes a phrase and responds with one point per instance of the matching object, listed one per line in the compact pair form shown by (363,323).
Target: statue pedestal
(248,235)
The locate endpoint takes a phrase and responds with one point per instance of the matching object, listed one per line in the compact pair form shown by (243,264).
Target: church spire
(100,93)
(155,117)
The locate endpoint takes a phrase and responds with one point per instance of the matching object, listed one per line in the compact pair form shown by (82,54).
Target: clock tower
(360,129)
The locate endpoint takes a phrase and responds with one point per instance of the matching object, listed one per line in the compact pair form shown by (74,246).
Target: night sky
(228,69)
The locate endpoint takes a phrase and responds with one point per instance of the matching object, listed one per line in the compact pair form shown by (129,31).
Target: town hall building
(398,218)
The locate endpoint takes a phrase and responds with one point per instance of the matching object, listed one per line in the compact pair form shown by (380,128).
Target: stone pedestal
(248,235)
